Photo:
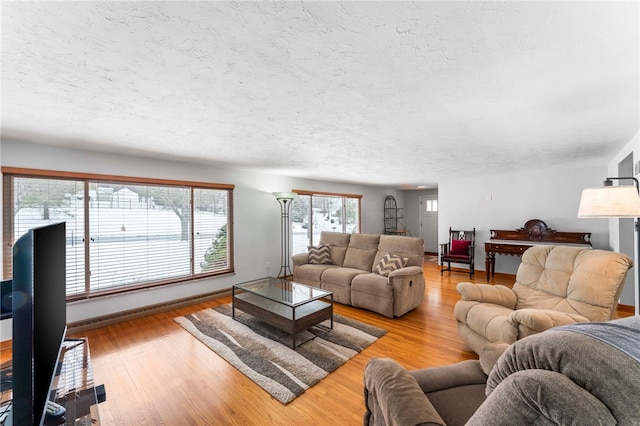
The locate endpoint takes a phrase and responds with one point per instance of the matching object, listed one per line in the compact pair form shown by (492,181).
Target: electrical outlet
(267,265)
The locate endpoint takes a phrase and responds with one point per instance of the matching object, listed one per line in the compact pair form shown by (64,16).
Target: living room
(502,195)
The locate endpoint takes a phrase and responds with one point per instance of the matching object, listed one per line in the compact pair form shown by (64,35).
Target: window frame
(356,197)
(9,173)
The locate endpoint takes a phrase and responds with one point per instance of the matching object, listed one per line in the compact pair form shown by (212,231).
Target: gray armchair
(583,374)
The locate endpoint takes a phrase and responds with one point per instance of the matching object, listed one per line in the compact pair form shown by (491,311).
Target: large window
(312,213)
(123,233)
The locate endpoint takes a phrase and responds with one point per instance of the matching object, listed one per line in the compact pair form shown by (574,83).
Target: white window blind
(125,234)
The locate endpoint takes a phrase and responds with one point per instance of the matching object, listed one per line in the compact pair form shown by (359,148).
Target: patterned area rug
(263,353)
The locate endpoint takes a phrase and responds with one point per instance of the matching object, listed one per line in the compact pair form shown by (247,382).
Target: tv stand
(73,386)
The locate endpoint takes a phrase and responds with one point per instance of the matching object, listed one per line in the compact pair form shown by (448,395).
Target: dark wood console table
(534,232)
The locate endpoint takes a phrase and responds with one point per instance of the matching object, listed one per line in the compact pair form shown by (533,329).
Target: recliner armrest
(442,377)
(538,320)
(393,393)
(487,293)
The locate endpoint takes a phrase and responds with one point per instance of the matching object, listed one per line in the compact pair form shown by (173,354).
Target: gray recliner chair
(583,374)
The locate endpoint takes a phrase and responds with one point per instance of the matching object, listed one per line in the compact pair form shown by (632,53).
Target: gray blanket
(622,334)
(586,373)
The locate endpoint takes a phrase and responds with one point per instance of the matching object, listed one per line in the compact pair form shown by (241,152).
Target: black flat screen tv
(39,319)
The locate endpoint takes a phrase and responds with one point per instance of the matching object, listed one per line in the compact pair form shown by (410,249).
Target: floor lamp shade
(284,195)
(610,201)
(621,201)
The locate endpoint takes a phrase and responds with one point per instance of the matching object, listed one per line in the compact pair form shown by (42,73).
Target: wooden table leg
(490,264)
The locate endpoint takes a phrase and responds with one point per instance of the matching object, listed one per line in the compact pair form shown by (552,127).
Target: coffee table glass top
(280,290)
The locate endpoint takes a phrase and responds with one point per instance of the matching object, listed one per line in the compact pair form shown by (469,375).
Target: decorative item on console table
(534,232)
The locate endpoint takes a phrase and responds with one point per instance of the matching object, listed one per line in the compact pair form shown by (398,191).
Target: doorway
(429,222)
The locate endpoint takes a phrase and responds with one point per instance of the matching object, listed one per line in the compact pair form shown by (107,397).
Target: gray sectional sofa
(355,275)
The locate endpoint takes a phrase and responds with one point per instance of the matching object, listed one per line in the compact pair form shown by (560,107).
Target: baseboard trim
(105,320)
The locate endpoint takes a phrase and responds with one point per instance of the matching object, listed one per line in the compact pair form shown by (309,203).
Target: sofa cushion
(556,279)
(340,276)
(338,243)
(410,247)
(320,255)
(338,281)
(389,263)
(373,284)
(361,252)
(460,247)
(372,291)
(311,272)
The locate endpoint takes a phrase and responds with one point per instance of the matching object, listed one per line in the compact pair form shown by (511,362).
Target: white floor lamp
(619,201)
(285,199)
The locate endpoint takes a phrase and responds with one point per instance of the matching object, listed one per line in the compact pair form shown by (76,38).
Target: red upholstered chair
(459,249)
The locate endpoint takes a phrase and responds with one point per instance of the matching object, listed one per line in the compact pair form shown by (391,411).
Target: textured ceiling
(385,93)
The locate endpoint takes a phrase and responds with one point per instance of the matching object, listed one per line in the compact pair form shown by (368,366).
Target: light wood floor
(156,373)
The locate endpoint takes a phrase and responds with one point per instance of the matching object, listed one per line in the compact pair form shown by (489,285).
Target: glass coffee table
(287,305)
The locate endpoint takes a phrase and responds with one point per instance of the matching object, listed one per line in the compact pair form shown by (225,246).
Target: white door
(429,222)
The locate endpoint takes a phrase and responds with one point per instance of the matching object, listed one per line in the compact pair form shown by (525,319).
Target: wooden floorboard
(156,373)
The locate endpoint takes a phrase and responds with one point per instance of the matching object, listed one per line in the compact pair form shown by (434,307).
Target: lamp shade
(285,195)
(610,201)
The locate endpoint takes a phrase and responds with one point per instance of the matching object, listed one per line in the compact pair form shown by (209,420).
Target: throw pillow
(389,263)
(460,247)
(320,255)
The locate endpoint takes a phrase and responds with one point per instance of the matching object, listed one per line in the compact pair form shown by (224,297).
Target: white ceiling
(385,93)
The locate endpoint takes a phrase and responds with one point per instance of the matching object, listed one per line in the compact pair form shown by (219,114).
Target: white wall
(507,201)
(630,293)
(256,214)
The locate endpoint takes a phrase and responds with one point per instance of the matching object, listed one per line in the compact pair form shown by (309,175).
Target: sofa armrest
(407,285)
(487,293)
(300,259)
(392,393)
(406,272)
(538,320)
